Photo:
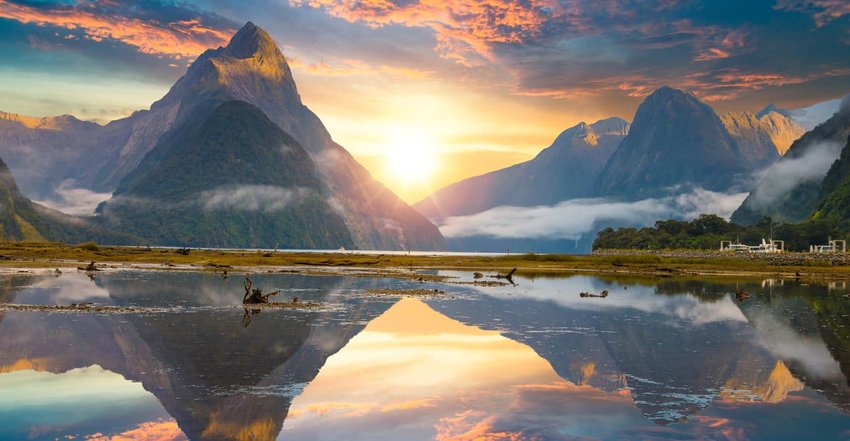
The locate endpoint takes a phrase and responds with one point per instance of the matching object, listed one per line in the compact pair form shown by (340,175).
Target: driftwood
(255,296)
(601,295)
(509,276)
(89,268)
(741,295)
(183,251)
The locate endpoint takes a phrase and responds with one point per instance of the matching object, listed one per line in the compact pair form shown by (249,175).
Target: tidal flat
(32,256)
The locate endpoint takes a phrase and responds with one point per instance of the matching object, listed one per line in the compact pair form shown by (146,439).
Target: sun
(411,158)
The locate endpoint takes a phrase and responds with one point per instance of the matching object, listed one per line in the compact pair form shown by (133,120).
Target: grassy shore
(660,264)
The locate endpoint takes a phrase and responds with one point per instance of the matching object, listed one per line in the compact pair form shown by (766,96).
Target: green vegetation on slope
(230,178)
(834,204)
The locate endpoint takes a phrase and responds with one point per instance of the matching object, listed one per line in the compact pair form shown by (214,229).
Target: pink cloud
(822,11)
(186,38)
(465,30)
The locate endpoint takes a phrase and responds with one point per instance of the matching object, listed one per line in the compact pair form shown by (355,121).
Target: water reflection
(655,359)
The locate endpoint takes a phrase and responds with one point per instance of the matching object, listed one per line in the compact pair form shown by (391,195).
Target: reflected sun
(411,158)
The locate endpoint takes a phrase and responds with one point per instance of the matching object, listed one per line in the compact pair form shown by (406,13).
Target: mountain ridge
(565,169)
(649,161)
(251,68)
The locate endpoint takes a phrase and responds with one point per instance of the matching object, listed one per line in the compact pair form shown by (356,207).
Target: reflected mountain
(669,359)
(217,379)
(677,345)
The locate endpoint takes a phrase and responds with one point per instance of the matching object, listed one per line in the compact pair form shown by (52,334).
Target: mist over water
(576,218)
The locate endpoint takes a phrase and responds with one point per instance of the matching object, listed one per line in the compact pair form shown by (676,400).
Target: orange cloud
(712,53)
(186,38)
(464,29)
(711,86)
(150,431)
(464,427)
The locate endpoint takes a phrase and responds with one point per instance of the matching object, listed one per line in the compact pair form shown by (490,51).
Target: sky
(457,88)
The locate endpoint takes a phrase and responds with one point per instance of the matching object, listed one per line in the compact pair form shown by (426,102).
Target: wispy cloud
(356,67)
(822,11)
(265,198)
(574,218)
(184,38)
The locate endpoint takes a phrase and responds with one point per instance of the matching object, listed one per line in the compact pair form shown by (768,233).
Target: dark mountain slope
(227,178)
(674,140)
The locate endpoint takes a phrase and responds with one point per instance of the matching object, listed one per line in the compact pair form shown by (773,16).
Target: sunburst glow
(411,157)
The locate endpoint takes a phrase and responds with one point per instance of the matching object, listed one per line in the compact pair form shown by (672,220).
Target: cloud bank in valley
(786,174)
(75,201)
(574,218)
(267,198)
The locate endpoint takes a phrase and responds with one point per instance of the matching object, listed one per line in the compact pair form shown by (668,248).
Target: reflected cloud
(683,307)
(150,431)
(36,405)
(786,343)
(70,287)
(415,372)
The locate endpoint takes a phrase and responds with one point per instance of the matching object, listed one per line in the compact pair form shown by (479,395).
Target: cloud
(148,431)
(680,310)
(464,30)
(74,201)
(266,198)
(822,11)
(786,343)
(356,67)
(787,173)
(180,38)
(574,218)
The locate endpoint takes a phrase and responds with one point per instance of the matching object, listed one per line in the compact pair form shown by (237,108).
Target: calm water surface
(658,359)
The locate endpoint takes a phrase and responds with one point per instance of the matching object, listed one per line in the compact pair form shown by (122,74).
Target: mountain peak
(611,126)
(773,108)
(251,41)
(674,139)
(667,93)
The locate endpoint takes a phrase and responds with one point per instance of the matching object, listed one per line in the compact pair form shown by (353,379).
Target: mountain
(766,136)
(791,189)
(566,169)
(808,117)
(240,387)
(23,219)
(41,150)
(231,178)
(674,140)
(252,69)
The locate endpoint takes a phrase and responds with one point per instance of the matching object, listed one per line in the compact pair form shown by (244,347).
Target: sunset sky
(476,84)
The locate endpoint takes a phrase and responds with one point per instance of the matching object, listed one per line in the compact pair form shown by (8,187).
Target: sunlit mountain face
(680,359)
(428,93)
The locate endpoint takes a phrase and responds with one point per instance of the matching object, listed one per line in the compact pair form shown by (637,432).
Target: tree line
(706,232)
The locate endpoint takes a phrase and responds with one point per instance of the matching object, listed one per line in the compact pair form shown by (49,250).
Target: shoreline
(37,257)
